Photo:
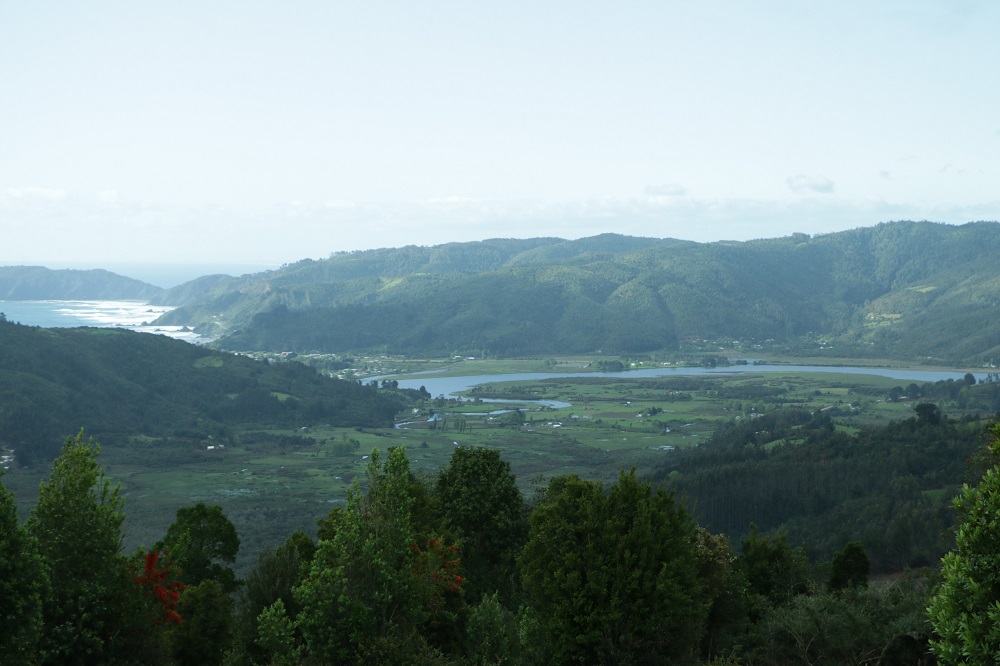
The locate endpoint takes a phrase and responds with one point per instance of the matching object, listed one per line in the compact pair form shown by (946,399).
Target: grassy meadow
(273,482)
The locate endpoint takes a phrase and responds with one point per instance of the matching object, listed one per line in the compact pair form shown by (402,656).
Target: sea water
(132,315)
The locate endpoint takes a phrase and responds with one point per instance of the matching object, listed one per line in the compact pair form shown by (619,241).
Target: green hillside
(119,384)
(27,283)
(910,290)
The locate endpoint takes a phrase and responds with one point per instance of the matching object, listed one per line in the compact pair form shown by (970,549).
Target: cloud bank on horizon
(250,132)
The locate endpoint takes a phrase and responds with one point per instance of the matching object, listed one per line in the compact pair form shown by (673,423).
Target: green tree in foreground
(201,540)
(965,613)
(484,507)
(373,594)
(204,635)
(268,585)
(613,578)
(77,523)
(23,586)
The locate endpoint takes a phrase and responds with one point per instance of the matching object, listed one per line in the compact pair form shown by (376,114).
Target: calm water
(449,386)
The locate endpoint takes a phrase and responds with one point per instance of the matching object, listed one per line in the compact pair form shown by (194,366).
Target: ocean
(132,315)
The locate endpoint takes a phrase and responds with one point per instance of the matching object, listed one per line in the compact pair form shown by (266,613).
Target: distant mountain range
(914,290)
(35,283)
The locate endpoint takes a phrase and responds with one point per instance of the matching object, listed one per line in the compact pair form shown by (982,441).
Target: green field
(273,482)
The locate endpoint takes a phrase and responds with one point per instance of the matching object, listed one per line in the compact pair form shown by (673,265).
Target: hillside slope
(915,290)
(36,283)
(119,384)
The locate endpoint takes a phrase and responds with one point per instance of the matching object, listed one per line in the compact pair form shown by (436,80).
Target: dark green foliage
(270,582)
(774,571)
(965,612)
(613,578)
(791,471)
(492,633)
(23,587)
(879,624)
(373,593)
(203,638)
(723,589)
(276,637)
(203,542)
(77,524)
(619,575)
(121,383)
(849,568)
(485,510)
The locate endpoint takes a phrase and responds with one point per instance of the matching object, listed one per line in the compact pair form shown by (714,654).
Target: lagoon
(452,386)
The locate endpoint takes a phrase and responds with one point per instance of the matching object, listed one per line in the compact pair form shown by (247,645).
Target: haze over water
(132,315)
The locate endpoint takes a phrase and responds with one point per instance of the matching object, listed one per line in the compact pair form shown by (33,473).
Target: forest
(905,290)
(915,291)
(120,384)
(460,568)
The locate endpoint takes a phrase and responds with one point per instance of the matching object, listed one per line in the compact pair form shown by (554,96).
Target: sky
(261,133)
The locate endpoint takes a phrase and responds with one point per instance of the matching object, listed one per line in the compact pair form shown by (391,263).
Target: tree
(882,623)
(204,636)
(965,612)
(773,569)
(269,583)
(850,567)
(77,523)
(927,414)
(372,591)
(200,540)
(23,586)
(485,510)
(613,578)
(276,636)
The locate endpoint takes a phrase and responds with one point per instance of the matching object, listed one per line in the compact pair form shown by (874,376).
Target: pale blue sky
(268,132)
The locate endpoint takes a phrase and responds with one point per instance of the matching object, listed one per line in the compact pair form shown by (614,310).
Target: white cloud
(665,190)
(804,183)
(107,196)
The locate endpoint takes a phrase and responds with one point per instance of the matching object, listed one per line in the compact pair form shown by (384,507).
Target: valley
(272,480)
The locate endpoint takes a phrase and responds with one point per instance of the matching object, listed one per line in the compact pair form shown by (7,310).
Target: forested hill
(914,290)
(30,283)
(119,384)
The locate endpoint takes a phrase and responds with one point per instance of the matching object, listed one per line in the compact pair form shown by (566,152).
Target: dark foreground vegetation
(457,568)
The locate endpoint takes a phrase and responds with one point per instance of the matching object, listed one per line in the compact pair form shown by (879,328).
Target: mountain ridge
(913,290)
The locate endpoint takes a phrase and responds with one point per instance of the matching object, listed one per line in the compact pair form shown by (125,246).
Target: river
(451,386)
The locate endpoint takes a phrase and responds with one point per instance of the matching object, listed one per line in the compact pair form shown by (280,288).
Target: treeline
(793,471)
(455,568)
(119,383)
